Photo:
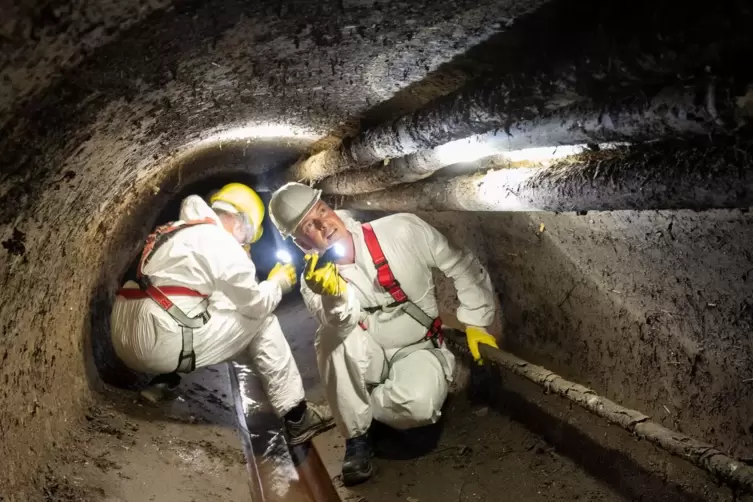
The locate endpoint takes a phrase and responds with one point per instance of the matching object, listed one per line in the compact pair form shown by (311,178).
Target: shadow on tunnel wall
(52,127)
(649,308)
(200,174)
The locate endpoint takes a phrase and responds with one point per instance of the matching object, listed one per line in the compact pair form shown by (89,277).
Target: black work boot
(160,386)
(313,420)
(357,465)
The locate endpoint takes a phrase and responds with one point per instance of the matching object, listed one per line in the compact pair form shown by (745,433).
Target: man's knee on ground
(423,410)
(405,410)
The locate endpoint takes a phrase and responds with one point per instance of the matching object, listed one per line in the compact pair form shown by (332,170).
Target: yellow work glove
(476,335)
(284,275)
(324,281)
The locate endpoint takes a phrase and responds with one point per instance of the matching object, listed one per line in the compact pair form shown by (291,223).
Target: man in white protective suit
(379,345)
(197,302)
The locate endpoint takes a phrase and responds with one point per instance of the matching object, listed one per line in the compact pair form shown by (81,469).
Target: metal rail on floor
(277,472)
(254,480)
(702,455)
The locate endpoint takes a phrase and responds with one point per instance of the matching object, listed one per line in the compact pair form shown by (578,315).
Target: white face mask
(244,231)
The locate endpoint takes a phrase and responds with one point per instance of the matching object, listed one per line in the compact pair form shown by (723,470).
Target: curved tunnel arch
(250,160)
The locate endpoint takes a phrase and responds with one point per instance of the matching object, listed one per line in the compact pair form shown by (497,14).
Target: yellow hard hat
(245,201)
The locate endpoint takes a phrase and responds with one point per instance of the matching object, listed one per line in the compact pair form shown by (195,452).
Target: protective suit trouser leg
(343,367)
(147,339)
(413,393)
(229,333)
(411,396)
(274,363)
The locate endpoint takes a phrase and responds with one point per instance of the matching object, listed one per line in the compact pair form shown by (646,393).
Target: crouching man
(379,345)
(198,303)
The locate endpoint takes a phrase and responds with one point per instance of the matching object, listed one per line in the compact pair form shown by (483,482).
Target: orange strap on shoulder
(161,235)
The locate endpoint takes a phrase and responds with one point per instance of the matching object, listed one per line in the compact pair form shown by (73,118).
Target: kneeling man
(379,345)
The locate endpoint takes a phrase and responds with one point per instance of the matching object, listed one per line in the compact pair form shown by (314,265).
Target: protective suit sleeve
(338,316)
(228,266)
(234,274)
(473,284)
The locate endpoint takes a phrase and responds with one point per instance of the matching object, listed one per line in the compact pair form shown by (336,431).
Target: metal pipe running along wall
(691,109)
(538,115)
(473,109)
(670,175)
(696,452)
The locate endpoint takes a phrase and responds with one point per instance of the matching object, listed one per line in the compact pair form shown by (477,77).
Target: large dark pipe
(636,116)
(474,109)
(514,119)
(413,167)
(670,175)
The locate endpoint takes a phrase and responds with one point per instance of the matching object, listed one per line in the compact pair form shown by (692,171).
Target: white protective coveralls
(207,258)
(412,388)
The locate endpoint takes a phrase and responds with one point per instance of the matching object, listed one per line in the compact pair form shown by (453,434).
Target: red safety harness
(387,280)
(187,357)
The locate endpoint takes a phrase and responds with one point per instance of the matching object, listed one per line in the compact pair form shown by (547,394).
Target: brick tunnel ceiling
(103,103)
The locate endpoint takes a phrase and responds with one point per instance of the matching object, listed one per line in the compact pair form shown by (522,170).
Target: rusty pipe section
(510,118)
(673,175)
(696,452)
(313,473)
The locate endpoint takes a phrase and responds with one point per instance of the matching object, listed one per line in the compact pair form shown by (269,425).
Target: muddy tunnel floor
(522,445)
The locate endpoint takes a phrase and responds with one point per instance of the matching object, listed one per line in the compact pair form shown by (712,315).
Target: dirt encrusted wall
(99,101)
(652,309)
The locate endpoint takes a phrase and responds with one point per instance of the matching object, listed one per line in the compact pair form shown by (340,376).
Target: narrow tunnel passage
(246,162)
(111,112)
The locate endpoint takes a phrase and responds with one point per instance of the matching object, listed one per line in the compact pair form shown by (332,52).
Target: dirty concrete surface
(105,107)
(129,450)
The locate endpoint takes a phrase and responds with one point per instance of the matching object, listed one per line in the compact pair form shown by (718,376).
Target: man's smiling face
(320,229)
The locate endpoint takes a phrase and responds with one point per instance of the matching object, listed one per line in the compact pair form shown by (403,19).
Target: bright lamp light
(463,150)
(284,256)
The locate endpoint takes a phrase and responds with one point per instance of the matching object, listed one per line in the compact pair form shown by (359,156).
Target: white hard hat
(290,204)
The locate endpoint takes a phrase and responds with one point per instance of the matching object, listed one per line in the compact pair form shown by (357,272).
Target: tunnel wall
(651,309)
(66,256)
(54,256)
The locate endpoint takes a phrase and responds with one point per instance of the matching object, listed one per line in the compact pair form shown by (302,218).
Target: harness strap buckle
(187,357)
(435,333)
